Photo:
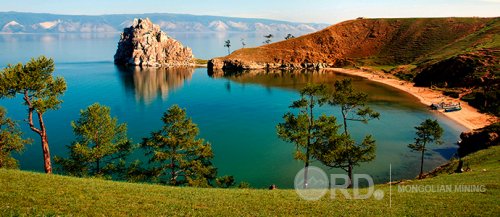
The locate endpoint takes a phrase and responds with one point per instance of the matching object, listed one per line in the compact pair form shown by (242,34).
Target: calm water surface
(236,113)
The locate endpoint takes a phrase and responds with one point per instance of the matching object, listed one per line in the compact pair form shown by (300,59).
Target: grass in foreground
(26,193)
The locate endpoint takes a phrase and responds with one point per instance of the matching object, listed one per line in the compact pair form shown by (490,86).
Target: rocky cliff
(144,44)
(479,139)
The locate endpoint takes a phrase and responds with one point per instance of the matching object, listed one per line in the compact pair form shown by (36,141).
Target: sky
(317,11)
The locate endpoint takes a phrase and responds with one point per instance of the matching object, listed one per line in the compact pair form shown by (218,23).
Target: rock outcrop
(144,44)
(239,64)
(463,70)
(479,139)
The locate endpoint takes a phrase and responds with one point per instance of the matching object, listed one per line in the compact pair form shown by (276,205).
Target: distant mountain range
(19,22)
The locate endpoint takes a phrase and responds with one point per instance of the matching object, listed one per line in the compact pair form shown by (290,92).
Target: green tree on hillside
(243,44)
(428,132)
(306,131)
(40,91)
(289,36)
(227,44)
(176,156)
(268,38)
(10,141)
(101,144)
(345,153)
(352,103)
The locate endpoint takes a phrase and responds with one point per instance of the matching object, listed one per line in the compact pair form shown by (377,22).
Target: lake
(237,113)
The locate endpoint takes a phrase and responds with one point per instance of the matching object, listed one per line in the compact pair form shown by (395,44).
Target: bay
(237,113)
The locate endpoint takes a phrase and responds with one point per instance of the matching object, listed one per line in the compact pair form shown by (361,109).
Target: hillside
(460,56)
(19,22)
(27,193)
(373,42)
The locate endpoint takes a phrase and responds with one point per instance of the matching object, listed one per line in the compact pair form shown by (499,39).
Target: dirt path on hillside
(468,117)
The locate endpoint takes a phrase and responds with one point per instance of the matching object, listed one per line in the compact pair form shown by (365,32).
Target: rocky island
(144,44)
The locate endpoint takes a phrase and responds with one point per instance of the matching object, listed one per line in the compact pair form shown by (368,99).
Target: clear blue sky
(324,11)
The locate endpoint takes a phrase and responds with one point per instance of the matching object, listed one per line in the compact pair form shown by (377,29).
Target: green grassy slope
(26,193)
(487,37)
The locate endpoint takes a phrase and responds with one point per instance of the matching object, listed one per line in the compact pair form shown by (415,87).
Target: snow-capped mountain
(17,22)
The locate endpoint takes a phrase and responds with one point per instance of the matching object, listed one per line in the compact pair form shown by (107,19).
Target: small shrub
(404,76)
(452,93)
(225,181)
(244,185)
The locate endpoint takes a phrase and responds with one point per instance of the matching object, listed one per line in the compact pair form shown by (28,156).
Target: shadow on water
(296,79)
(148,83)
(447,152)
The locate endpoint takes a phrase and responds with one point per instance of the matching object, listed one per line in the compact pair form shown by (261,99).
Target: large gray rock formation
(144,44)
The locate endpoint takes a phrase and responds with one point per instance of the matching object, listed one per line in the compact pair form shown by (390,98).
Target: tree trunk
(421,165)
(349,173)
(173,178)
(311,123)
(98,167)
(42,132)
(344,116)
(349,167)
(45,145)
(306,168)
(46,153)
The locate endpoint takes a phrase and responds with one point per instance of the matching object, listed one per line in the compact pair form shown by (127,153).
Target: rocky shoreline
(237,64)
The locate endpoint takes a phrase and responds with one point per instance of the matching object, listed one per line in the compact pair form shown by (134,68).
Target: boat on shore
(447,107)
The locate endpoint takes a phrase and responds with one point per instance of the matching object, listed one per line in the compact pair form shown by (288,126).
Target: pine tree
(176,156)
(428,132)
(268,38)
(243,44)
(101,144)
(227,44)
(345,153)
(10,141)
(40,91)
(304,130)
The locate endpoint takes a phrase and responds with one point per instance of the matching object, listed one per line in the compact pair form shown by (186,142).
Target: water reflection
(298,78)
(48,37)
(149,84)
(293,79)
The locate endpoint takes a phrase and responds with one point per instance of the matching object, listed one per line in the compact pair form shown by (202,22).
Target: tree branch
(30,113)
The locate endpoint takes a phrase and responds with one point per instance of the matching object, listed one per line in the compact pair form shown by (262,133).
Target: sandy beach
(468,117)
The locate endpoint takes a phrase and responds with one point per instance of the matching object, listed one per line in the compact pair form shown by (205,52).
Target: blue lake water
(236,114)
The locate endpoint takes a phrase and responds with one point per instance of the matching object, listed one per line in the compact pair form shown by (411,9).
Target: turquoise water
(237,114)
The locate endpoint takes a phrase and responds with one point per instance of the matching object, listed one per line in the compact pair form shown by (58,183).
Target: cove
(236,112)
